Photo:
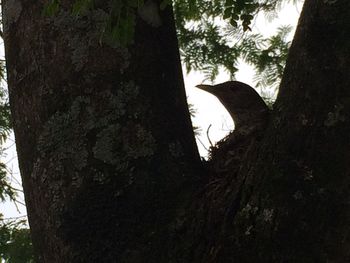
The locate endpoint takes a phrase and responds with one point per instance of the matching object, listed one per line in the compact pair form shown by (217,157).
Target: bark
(103,134)
(300,180)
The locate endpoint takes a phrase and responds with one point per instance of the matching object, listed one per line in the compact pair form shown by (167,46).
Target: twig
(211,144)
(202,144)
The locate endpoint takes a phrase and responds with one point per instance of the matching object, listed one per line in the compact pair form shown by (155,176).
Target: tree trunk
(300,180)
(103,134)
(306,154)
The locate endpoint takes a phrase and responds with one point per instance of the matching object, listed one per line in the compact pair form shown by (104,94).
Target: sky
(209,111)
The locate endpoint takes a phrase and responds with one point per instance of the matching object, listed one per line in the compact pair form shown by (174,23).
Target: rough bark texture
(104,138)
(300,180)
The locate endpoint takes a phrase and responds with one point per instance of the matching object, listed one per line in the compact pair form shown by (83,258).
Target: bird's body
(244,104)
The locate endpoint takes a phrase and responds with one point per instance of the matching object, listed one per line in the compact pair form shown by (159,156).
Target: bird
(247,109)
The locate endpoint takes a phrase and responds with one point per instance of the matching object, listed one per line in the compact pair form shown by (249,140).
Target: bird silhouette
(246,107)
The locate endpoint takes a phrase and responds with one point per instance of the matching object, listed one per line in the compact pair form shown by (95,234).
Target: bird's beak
(207,88)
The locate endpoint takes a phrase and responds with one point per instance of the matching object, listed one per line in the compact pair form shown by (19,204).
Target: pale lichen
(336,116)
(112,136)
(268,215)
(298,195)
(247,232)
(100,177)
(140,144)
(106,144)
(61,139)
(116,144)
(249,210)
(303,119)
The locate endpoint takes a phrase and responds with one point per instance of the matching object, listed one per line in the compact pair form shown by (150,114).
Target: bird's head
(242,101)
(234,94)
